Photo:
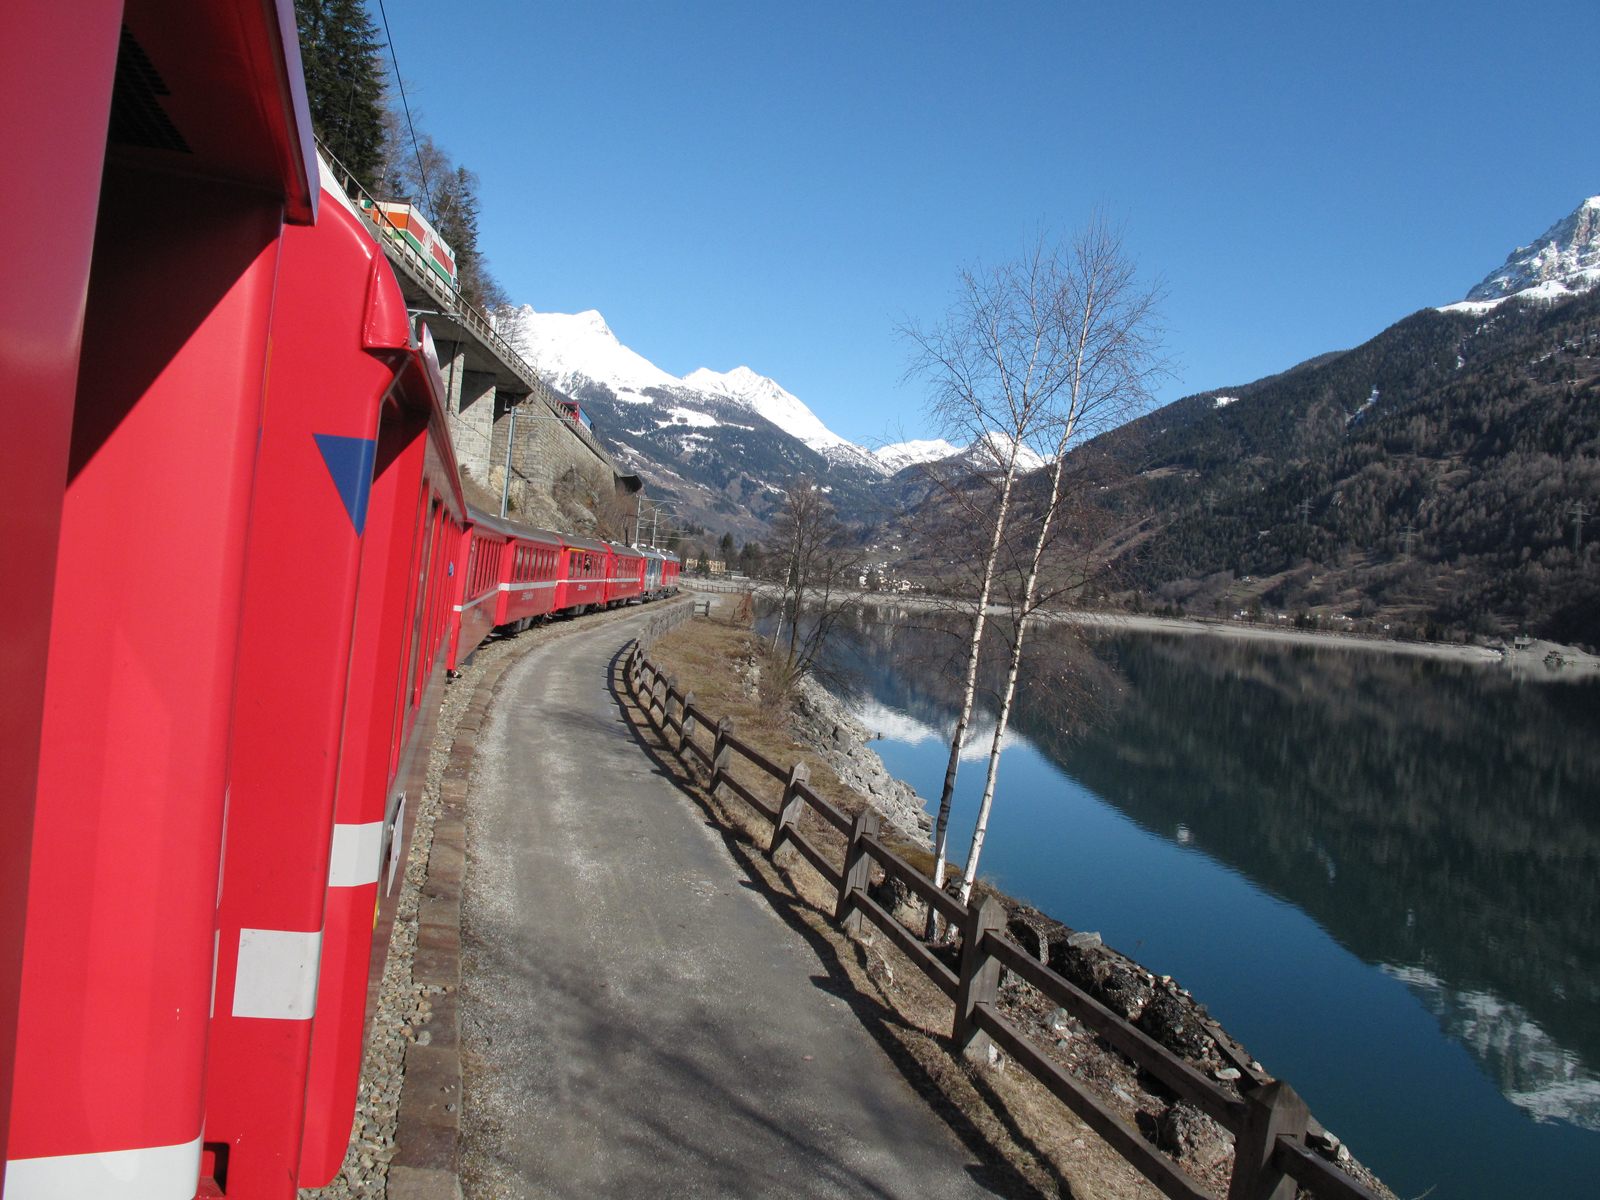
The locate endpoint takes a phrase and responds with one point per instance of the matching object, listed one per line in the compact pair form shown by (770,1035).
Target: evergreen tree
(725,548)
(341,55)
(750,558)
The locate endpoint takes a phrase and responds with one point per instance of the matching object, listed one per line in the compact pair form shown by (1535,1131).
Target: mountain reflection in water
(1441,821)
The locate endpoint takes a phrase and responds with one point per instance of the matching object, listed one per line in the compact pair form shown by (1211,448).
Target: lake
(1381,874)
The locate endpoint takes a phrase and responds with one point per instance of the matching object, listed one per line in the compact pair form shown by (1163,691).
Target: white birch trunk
(969,690)
(1025,613)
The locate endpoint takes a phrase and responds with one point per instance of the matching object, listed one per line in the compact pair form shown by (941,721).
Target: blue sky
(779,186)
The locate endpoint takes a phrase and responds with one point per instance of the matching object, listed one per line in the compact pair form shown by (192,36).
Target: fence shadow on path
(995,1173)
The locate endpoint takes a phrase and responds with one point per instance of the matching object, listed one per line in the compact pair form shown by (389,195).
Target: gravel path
(636,1020)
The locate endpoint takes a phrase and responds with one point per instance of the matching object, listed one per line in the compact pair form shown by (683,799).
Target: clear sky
(777,186)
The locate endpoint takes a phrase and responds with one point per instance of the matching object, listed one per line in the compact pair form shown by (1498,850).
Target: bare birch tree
(994,366)
(815,568)
(1110,341)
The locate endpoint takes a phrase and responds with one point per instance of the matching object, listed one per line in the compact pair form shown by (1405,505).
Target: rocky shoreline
(824,723)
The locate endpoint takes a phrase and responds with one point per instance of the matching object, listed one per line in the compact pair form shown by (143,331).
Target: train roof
(232,93)
(515,529)
(585,543)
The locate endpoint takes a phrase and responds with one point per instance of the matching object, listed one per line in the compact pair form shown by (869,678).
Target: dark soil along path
(636,1019)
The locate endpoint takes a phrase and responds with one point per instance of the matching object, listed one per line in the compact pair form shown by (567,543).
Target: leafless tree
(816,570)
(991,368)
(1036,356)
(1113,341)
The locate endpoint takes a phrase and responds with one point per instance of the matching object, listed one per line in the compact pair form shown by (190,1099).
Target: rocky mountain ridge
(1563,261)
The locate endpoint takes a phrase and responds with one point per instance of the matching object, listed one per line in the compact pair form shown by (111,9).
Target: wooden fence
(1269,1122)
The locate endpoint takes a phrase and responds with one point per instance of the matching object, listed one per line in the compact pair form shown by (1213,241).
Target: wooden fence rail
(1268,1123)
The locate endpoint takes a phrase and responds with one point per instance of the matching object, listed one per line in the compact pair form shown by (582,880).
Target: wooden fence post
(788,808)
(857,869)
(1269,1110)
(980,973)
(688,723)
(666,702)
(721,753)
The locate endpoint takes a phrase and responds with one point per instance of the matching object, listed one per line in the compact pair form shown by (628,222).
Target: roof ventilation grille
(137,118)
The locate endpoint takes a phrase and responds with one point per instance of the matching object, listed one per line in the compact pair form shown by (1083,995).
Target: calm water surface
(1381,874)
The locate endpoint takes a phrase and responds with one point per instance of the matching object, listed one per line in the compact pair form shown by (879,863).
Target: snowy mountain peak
(764,397)
(904,454)
(569,348)
(1563,261)
(575,349)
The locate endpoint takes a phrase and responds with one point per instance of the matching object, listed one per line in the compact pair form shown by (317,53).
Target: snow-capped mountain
(573,350)
(905,454)
(721,446)
(1563,261)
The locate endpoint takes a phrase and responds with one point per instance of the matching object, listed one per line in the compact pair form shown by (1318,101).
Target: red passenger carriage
(224,761)
(486,551)
(585,574)
(528,588)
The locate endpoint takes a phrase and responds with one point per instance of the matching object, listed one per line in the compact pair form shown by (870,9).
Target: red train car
(201,170)
(528,586)
(627,576)
(214,863)
(294,884)
(217,841)
(584,574)
(55,98)
(486,551)
(409,562)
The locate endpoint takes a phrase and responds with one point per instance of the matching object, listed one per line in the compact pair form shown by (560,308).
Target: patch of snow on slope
(903,454)
(1224,401)
(1563,261)
(688,416)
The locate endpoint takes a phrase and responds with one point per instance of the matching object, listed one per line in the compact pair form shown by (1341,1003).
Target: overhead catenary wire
(399,83)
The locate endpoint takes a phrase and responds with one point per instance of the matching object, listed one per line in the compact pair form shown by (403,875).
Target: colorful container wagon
(412,228)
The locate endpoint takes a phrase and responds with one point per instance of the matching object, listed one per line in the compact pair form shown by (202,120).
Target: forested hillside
(1438,475)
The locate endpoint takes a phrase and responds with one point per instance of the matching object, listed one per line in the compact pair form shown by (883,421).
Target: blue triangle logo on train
(349,461)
